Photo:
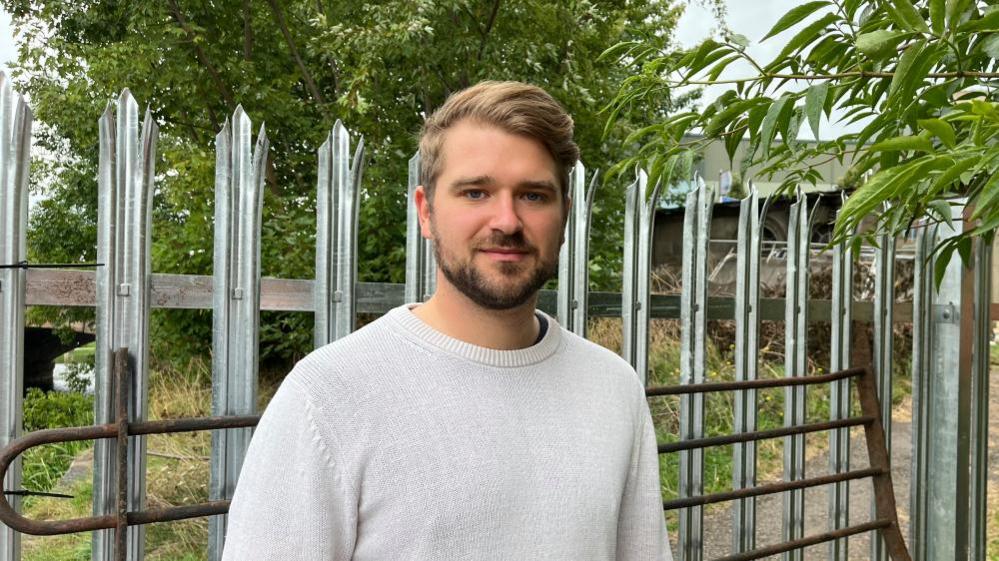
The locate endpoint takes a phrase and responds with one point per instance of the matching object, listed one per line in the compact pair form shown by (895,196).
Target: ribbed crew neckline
(417,329)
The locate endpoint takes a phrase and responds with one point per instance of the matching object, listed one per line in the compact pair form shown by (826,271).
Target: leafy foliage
(44,465)
(300,65)
(919,74)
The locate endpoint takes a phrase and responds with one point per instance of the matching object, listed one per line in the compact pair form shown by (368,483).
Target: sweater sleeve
(290,503)
(641,531)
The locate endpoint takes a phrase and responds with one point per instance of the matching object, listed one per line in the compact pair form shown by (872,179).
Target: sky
(8,52)
(752,18)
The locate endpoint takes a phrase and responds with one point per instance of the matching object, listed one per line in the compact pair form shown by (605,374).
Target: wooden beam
(74,288)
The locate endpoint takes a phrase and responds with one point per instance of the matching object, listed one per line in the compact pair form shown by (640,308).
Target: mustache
(513,241)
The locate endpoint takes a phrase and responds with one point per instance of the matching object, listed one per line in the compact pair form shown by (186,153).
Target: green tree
(920,75)
(298,66)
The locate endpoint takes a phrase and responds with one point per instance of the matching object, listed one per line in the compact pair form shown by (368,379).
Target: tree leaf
(988,22)
(938,14)
(768,129)
(951,174)
(987,198)
(955,9)
(739,39)
(941,129)
(943,260)
(901,143)
(720,66)
(990,45)
(727,115)
(794,16)
(904,73)
(906,16)
(879,44)
(807,35)
(815,100)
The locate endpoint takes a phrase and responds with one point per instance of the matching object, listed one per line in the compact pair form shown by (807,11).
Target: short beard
(469,282)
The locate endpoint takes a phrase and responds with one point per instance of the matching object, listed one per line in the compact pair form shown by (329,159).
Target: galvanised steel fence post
(239,182)
(943,524)
(839,393)
(639,215)
(884,307)
(693,331)
(125,191)
(573,270)
(795,360)
(980,399)
(922,327)
(421,266)
(747,322)
(337,204)
(15,148)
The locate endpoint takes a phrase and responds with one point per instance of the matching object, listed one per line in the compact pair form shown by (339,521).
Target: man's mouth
(505,253)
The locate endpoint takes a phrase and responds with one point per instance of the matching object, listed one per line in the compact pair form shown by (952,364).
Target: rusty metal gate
(121,430)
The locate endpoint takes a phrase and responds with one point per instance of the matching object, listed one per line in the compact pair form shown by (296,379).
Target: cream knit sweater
(401,443)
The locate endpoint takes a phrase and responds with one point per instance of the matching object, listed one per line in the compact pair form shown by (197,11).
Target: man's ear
(422,210)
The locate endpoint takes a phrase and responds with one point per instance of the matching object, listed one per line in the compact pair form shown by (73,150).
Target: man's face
(497,216)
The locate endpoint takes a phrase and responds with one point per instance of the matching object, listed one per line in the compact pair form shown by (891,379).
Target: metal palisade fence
(950,343)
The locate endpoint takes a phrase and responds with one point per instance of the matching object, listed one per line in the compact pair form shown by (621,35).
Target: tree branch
(836,76)
(247,30)
(309,82)
(489,27)
(202,56)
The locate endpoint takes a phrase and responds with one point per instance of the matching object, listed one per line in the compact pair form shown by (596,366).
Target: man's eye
(535,197)
(474,194)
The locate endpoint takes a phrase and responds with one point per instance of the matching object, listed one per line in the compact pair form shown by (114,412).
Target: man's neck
(454,314)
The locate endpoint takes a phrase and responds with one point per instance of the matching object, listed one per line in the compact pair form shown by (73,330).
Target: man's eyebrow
(484,180)
(472,182)
(541,184)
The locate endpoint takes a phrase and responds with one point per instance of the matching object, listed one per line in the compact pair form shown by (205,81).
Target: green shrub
(44,465)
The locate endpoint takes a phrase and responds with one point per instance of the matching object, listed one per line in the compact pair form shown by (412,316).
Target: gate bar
(337,205)
(639,215)
(795,363)
(15,148)
(922,298)
(239,190)
(747,322)
(573,270)
(761,435)
(693,330)
(839,393)
(125,191)
(884,305)
(421,266)
(980,399)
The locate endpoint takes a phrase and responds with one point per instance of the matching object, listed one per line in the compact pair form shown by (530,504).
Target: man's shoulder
(577,344)
(338,365)
(595,356)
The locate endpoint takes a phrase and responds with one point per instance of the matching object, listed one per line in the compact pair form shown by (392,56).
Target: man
(472,426)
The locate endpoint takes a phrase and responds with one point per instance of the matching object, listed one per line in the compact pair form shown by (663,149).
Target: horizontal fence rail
(73,288)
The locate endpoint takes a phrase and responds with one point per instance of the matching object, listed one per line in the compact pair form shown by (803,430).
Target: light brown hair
(514,107)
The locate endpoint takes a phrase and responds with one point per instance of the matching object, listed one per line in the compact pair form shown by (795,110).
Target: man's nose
(505,216)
